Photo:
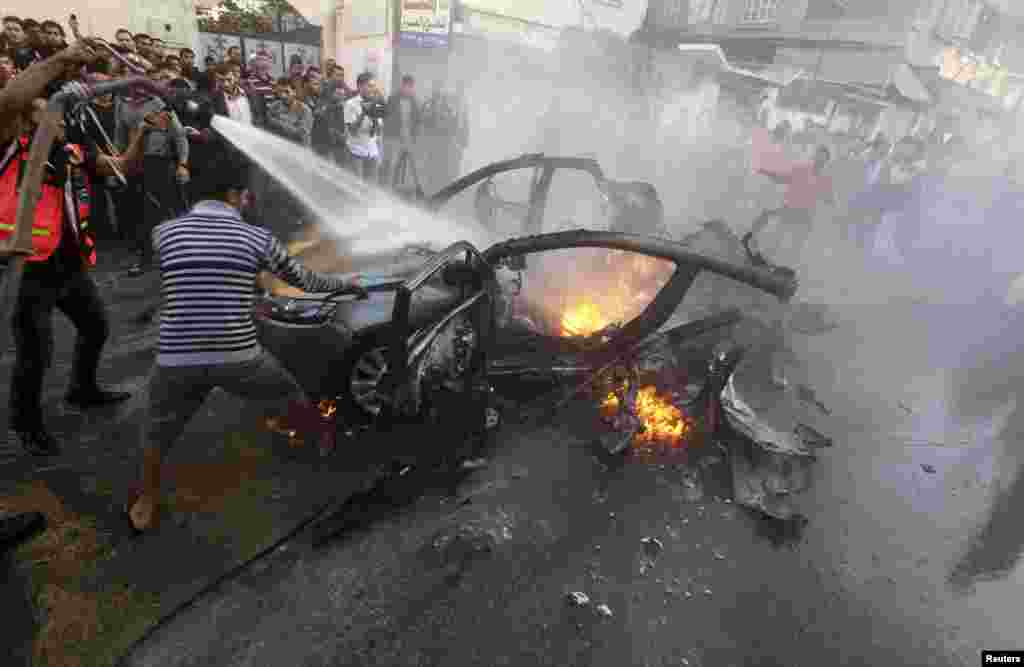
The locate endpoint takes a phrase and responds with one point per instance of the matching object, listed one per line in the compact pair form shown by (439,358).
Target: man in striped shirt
(209,260)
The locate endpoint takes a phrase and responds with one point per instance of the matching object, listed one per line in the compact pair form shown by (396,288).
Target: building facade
(173,21)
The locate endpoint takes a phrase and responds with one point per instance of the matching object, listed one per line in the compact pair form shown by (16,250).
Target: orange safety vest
(54,203)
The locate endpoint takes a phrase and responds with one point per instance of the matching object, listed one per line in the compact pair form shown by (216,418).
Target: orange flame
(663,422)
(616,293)
(583,320)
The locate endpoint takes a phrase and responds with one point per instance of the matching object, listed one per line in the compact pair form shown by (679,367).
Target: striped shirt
(209,260)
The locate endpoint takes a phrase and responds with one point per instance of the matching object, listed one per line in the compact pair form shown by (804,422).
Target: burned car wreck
(436,332)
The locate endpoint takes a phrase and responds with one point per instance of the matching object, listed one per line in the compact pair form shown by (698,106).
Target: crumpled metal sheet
(771,416)
(768,481)
(772,460)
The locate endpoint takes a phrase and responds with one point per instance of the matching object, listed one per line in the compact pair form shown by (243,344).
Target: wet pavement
(925,432)
(910,556)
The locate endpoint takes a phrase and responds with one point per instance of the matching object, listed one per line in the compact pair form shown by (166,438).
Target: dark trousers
(78,298)
(161,201)
(366,168)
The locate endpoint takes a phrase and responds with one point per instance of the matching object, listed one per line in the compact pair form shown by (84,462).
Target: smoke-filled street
(442,333)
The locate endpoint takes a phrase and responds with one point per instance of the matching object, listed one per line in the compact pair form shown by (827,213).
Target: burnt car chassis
(428,346)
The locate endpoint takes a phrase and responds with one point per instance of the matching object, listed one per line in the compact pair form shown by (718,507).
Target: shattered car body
(426,343)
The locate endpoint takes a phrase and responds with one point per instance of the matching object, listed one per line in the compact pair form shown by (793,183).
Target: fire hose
(20,246)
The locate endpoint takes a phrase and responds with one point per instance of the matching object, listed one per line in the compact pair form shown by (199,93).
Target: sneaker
(84,399)
(37,442)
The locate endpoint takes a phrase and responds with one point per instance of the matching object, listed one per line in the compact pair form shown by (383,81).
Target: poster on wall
(300,55)
(215,45)
(425,23)
(268,49)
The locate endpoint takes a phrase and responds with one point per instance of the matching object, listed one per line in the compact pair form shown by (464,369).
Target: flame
(664,423)
(616,293)
(327,408)
(583,320)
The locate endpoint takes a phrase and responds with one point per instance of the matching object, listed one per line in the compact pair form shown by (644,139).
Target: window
(574,202)
(500,203)
(760,11)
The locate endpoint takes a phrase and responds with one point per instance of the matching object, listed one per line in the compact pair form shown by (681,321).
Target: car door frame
(688,265)
(406,345)
(539,193)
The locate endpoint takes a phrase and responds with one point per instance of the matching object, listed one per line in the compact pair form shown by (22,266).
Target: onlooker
(897,199)
(159,50)
(125,41)
(863,227)
(231,100)
(207,79)
(401,129)
(363,130)
(806,184)
(165,164)
(53,38)
(18,45)
(143,42)
(235,58)
(187,57)
(34,32)
(290,117)
(6,69)
(259,87)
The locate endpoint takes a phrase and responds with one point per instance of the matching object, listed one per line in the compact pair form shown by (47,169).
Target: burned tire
(360,374)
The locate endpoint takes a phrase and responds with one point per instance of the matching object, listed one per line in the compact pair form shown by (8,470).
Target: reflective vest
(55,201)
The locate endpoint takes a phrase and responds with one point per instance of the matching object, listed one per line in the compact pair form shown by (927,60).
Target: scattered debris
(905,408)
(604,610)
(718,554)
(928,468)
(474,464)
(577,599)
(652,547)
(707,591)
(709,461)
(493,419)
(693,489)
(807,395)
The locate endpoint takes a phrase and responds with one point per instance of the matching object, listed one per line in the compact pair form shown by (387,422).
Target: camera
(193,109)
(375,109)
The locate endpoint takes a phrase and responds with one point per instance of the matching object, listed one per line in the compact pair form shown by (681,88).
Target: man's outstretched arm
(17,96)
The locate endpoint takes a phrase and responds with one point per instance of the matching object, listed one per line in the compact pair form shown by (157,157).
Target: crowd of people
(384,140)
(917,206)
(144,163)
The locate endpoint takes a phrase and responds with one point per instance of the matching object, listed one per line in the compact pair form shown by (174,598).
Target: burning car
(430,335)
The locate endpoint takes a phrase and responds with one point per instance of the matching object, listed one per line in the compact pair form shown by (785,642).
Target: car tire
(359,374)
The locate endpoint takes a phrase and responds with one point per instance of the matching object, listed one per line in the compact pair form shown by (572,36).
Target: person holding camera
(363,116)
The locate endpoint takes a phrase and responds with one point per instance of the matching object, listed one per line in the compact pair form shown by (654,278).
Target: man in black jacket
(401,129)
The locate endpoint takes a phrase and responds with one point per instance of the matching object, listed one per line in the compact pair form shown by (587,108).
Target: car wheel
(362,371)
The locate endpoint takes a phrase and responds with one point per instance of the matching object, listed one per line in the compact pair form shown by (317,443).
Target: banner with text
(425,23)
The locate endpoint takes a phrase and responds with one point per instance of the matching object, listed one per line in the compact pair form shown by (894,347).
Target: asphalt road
(917,491)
